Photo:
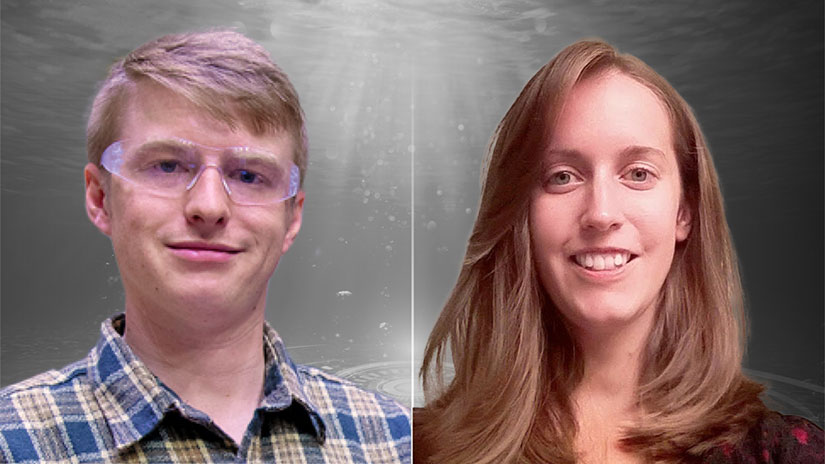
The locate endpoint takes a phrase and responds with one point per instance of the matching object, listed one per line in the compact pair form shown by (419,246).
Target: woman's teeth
(602,261)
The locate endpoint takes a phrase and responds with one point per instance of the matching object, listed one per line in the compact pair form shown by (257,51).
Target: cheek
(548,232)
(551,224)
(268,233)
(656,223)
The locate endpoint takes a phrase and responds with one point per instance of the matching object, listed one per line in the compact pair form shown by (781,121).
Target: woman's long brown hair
(515,361)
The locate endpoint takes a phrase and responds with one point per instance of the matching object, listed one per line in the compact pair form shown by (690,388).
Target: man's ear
(96,207)
(294,221)
(683,222)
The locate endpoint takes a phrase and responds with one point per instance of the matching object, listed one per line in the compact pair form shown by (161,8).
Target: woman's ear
(683,222)
(96,207)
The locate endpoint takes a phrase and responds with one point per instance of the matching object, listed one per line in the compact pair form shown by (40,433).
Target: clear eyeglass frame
(188,156)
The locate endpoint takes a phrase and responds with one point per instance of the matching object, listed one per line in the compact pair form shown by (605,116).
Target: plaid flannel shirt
(108,407)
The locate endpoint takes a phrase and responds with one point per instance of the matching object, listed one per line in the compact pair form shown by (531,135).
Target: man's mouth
(203,251)
(603,261)
(202,246)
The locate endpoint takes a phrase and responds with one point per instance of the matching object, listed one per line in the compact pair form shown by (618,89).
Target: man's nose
(207,199)
(602,210)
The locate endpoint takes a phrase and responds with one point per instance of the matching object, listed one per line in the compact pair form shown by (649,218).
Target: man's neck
(216,369)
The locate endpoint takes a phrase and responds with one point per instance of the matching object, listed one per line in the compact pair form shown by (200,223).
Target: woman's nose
(602,210)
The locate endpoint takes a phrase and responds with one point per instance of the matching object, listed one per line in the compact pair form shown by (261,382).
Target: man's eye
(168,166)
(245,176)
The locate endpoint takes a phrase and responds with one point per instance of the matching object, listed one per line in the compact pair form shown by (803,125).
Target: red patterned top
(776,439)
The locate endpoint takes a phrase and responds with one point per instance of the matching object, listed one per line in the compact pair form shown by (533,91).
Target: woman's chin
(603,317)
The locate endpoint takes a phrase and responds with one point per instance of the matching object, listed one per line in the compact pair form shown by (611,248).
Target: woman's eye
(561,178)
(640,178)
(639,175)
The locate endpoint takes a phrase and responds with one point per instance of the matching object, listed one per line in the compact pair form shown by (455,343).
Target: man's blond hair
(223,72)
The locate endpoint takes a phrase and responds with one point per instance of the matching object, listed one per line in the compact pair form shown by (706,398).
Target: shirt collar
(131,398)
(133,401)
(284,385)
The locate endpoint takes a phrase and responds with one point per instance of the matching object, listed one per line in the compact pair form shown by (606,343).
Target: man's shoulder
(57,384)
(339,389)
(351,404)
(37,414)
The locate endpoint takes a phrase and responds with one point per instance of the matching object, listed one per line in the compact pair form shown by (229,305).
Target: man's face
(200,253)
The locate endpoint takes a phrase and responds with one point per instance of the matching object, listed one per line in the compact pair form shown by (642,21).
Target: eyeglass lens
(171,167)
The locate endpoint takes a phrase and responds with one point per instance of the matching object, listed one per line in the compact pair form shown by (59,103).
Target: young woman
(598,315)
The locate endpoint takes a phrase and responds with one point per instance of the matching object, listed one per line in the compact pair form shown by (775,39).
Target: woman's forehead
(611,108)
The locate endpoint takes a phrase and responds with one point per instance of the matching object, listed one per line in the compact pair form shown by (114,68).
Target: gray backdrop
(401,98)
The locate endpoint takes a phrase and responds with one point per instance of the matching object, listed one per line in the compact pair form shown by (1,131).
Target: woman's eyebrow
(562,154)
(638,150)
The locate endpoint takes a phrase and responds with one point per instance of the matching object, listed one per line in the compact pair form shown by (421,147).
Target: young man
(197,152)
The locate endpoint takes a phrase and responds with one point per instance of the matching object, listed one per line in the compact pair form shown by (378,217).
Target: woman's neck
(606,399)
(613,356)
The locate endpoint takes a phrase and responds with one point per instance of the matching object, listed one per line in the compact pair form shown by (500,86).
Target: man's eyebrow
(165,144)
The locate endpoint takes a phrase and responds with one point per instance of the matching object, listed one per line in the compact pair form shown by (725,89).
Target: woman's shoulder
(776,438)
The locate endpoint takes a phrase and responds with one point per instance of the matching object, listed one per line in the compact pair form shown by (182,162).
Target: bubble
(240,27)
(411,148)
(382,325)
(344,293)
(468,210)
(431,225)
(439,192)
(391,218)
(461,127)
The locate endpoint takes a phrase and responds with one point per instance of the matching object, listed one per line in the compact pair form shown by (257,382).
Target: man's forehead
(154,111)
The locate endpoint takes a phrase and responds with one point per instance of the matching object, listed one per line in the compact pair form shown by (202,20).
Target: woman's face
(605,216)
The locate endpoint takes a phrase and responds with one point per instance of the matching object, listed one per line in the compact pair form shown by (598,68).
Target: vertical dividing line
(412,231)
